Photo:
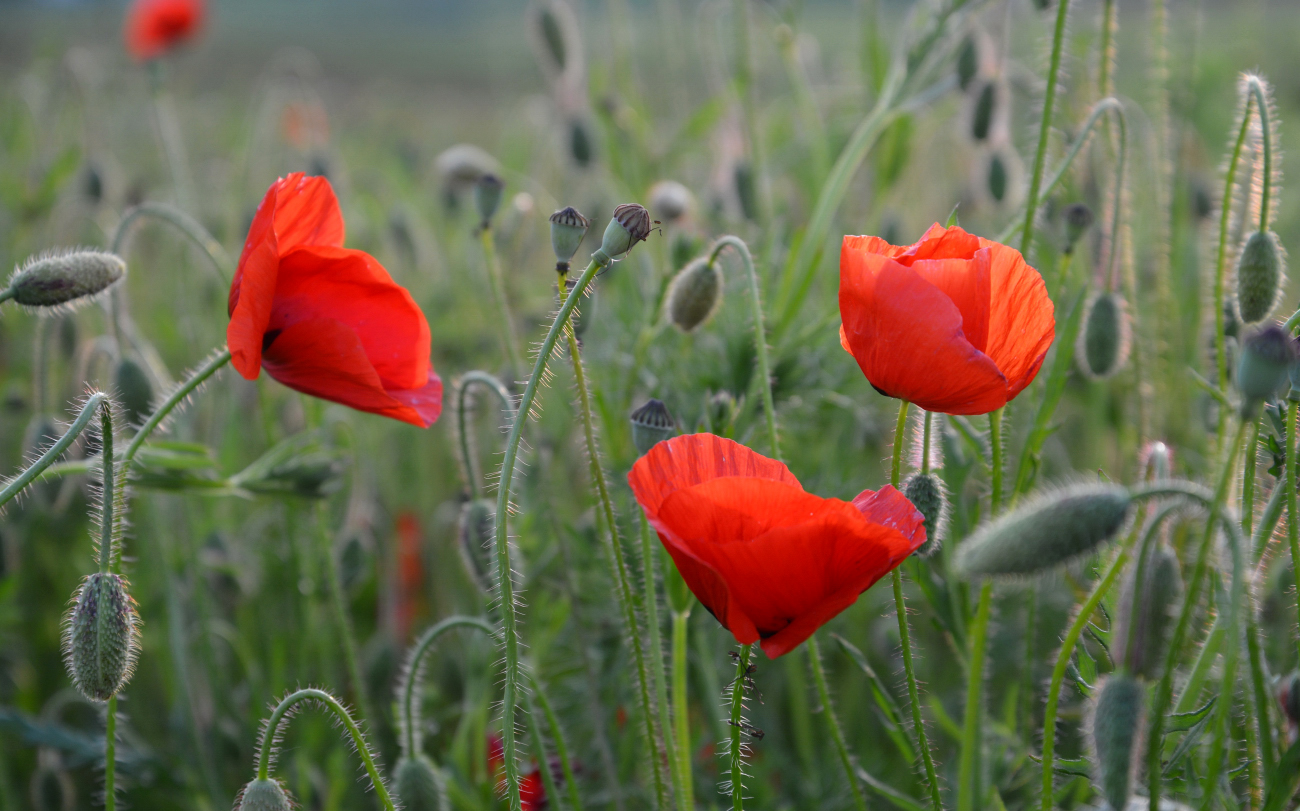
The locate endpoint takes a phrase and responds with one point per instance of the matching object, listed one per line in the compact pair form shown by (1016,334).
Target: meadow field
(795,516)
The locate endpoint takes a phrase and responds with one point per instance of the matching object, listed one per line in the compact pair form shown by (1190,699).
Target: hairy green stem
(196,379)
(996,462)
(110,755)
(656,657)
(681,710)
(463,385)
(837,734)
(736,754)
(184,223)
(1248,477)
(760,333)
(900,439)
(967,779)
(561,748)
(1256,89)
(108,491)
(7,294)
(1045,126)
(509,336)
(93,404)
(411,674)
(1221,257)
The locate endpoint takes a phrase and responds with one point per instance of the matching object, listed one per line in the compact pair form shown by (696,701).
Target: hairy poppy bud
(968,62)
(1104,342)
(1264,365)
(1055,529)
(1143,624)
(651,424)
(1078,219)
(580,146)
(982,113)
(264,795)
(1259,277)
(476,531)
(417,785)
(695,294)
(1289,697)
(671,200)
(134,391)
(487,196)
(926,492)
(1118,722)
(100,636)
(746,190)
(568,227)
(629,225)
(65,277)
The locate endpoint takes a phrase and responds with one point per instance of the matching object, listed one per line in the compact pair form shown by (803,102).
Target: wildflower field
(649,404)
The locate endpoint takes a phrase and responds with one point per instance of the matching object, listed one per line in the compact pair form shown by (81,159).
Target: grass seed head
(968,62)
(982,115)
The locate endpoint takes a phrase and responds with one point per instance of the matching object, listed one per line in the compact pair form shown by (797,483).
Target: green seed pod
(1259,277)
(651,424)
(487,196)
(476,533)
(65,278)
(568,227)
(1288,695)
(746,190)
(927,494)
(418,786)
(1264,365)
(968,62)
(580,146)
(1118,725)
(695,294)
(1078,219)
(1051,531)
(997,177)
(982,113)
(1143,623)
(1106,336)
(100,637)
(134,391)
(670,200)
(629,225)
(264,795)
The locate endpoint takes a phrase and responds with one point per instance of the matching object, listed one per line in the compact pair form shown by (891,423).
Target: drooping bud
(1051,531)
(134,391)
(549,28)
(1264,365)
(1259,277)
(100,636)
(1118,725)
(68,277)
(981,121)
(313,474)
(417,785)
(651,424)
(476,532)
(1143,623)
(462,165)
(968,62)
(746,189)
(629,225)
(568,227)
(580,146)
(671,200)
(1288,695)
(264,795)
(487,196)
(695,294)
(1106,336)
(1078,219)
(927,494)
(998,175)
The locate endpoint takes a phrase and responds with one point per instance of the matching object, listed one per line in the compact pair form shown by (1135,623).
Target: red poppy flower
(325,320)
(532,791)
(954,323)
(769,560)
(154,27)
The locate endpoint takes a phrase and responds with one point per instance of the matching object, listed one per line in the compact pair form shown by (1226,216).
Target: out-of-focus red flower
(410,570)
(154,27)
(769,560)
(304,125)
(325,320)
(955,323)
(532,791)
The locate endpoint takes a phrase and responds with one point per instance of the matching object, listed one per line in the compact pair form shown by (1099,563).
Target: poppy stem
(900,438)
(338,605)
(837,734)
(925,442)
(508,336)
(681,709)
(649,571)
(184,223)
(1292,515)
(1044,127)
(463,385)
(1221,257)
(561,748)
(108,489)
(19,482)
(184,390)
(412,671)
(737,746)
(110,755)
(995,467)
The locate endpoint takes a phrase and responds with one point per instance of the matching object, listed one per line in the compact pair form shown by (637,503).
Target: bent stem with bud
(464,385)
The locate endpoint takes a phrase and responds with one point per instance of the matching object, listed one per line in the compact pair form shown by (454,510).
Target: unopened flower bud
(1143,622)
(982,113)
(264,795)
(134,391)
(417,785)
(746,189)
(476,533)
(65,277)
(998,175)
(487,196)
(1078,219)
(968,62)
(1118,725)
(629,225)
(1264,365)
(1106,336)
(100,636)
(462,165)
(580,146)
(1288,695)
(651,424)
(1259,277)
(1057,528)
(671,200)
(927,494)
(568,227)
(551,32)
(695,294)
(92,183)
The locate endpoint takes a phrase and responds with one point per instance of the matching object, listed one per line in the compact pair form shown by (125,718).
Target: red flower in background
(532,791)
(325,320)
(410,570)
(955,323)
(769,560)
(154,27)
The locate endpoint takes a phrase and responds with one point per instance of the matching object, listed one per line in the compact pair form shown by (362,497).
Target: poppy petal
(426,400)
(307,213)
(941,243)
(966,284)
(890,508)
(685,461)
(1022,319)
(252,297)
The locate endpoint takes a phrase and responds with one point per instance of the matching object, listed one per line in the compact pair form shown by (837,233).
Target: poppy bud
(629,225)
(968,62)
(92,184)
(476,531)
(100,636)
(1055,529)
(1104,342)
(487,196)
(134,391)
(1118,723)
(746,190)
(926,492)
(997,177)
(552,36)
(695,294)
(463,164)
(982,114)
(264,795)
(1289,697)
(580,146)
(417,785)
(671,200)
(651,424)
(568,227)
(1259,277)
(1078,219)
(64,277)
(1145,609)
(1264,365)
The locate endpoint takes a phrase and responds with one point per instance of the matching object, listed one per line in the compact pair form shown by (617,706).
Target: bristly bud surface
(568,227)
(264,795)
(417,785)
(629,225)
(1052,531)
(651,424)
(927,494)
(1106,336)
(487,197)
(101,636)
(671,200)
(1264,365)
(65,278)
(1259,277)
(476,531)
(695,294)
(134,391)
(1143,623)
(1078,219)
(1118,723)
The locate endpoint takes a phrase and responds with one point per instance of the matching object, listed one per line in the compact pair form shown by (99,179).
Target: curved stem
(110,755)
(497,284)
(271,732)
(1045,127)
(412,671)
(1221,257)
(7,294)
(1256,88)
(463,386)
(15,486)
(760,333)
(837,734)
(196,379)
(737,751)
(1112,255)
(184,223)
